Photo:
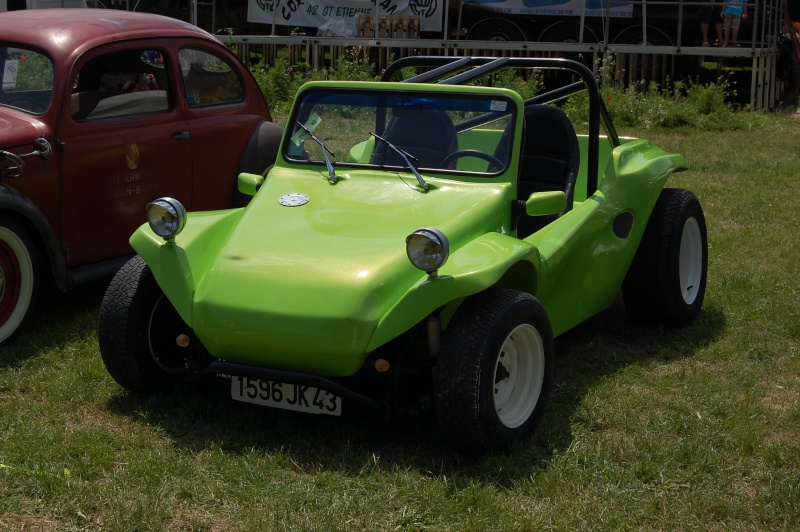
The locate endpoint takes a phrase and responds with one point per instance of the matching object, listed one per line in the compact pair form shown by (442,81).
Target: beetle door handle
(181,135)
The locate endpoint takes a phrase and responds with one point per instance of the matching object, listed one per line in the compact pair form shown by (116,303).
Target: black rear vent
(622,225)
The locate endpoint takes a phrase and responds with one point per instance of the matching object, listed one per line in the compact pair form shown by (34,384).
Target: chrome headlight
(166,217)
(427,249)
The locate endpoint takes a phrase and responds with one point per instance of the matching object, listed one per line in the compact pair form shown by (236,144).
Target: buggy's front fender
(474,267)
(172,263)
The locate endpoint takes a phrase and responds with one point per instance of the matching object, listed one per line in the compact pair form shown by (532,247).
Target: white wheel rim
(23,258)
(691,260)
(518,376)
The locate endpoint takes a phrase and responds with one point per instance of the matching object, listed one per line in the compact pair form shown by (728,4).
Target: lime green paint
(544,203)
(475,267)
(361,152)
(173,263)
(583,261)
(317,287)
(249,183)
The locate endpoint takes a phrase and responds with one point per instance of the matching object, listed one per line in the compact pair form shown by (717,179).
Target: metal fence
(633,63)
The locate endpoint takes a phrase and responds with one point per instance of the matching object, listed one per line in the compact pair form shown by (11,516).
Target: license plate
(286,396)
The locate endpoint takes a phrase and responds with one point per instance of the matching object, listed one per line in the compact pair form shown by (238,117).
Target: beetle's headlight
(427,249)
(166,217)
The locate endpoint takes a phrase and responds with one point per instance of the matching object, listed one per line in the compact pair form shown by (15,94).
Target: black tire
(566,31)
(666,282)
(137,332)
(496,30)
(259,155)
(19,276)
(635,35)
(486,341)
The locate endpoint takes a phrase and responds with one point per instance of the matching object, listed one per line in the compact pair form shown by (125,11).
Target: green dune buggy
(418,244)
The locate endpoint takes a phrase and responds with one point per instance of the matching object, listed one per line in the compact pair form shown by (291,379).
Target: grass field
(696,429)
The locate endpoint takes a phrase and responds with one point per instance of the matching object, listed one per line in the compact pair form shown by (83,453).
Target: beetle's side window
(208,79)
(128,83)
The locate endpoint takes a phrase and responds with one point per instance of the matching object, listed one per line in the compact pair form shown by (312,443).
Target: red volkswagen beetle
(100,112)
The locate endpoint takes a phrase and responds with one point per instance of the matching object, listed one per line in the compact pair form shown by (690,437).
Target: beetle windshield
(28,78)
(453,132)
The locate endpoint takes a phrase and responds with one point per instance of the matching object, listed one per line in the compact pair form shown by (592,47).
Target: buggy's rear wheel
(496,30)
(666,282)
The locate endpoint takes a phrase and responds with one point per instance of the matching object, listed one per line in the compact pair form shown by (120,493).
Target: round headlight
(166,217)
(427,249)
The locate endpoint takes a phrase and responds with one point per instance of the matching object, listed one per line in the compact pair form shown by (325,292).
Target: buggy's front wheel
(138,331)
(494,372)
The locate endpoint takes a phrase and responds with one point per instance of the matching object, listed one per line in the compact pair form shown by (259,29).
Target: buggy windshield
(451,132)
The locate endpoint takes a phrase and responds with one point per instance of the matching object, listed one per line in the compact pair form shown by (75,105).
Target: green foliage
(690,105)
(703,107)
(353,65)
(527,83)
(35,71)
(280,82)
(677,105)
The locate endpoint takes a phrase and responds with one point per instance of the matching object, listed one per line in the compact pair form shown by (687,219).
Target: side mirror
(250,183)
(546,203)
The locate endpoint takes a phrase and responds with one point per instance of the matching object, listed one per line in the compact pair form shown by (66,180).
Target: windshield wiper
(325,151)
(407,157)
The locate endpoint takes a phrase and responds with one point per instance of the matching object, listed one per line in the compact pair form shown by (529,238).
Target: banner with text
(318,13)
(594,8)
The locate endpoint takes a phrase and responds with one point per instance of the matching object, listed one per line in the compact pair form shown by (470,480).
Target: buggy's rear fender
(587,252)
(476,266)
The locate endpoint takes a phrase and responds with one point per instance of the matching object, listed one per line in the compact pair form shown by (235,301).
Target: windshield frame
(470,108)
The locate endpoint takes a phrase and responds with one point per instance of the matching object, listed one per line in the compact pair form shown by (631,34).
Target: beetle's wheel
(18,277)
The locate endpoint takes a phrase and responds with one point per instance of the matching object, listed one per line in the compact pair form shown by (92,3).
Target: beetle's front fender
(474,267)
(12,200)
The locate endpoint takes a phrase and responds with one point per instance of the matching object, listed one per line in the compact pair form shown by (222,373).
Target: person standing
(705,13)
(733,12)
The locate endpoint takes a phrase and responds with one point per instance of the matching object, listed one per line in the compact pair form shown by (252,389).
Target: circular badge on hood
(293,200)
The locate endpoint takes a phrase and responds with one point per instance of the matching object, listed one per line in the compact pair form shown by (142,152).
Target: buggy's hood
(303,287)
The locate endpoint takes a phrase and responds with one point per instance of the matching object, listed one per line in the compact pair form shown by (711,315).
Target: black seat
(421,129)
(550,159)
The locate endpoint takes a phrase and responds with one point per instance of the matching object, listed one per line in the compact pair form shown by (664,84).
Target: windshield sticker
(10,75)
(498,106)
(300,135)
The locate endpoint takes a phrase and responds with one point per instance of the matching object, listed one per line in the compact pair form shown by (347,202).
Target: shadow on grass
(55,320)
(199,418)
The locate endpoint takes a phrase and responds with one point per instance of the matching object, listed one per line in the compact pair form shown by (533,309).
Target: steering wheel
(493,161)
(26,103)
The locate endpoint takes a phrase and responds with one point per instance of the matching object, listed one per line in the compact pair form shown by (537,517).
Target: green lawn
(647,429)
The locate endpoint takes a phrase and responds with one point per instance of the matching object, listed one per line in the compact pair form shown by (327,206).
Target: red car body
(133,106)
